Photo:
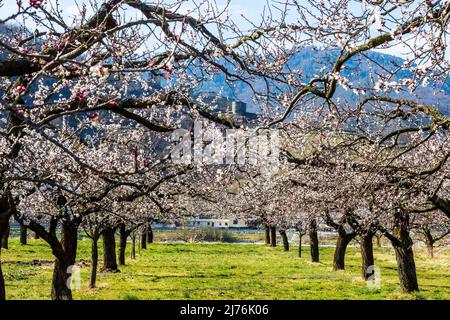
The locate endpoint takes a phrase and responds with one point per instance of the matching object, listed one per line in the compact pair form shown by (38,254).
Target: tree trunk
(378,237)
(267,234)
(61,286)
(2,282)
(405,263)
(273,236)
(406,269)
(313,241)
(3,228)
(94,261)
(144,239)
(149,234)
(300,245)
(429,241)
(23,234)
(5,215)
(109,250)
(341,246)
(366,245)
(5,237)
(133,246)
(285,239)
(60,289)
(122,244)
(430,250)
(403,246)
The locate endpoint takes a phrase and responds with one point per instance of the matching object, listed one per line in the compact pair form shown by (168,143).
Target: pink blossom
(81,94)
(95,117)
(20,89)
(37,3)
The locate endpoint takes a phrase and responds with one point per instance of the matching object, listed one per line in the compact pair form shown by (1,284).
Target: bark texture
(285,239)
(123,233)
(23,234)
(94,261)
(65,260)
(144,239)
(314,240)
(366,245)
(109,250)
(267,234)
(341,247)
(5,236)
(273,236)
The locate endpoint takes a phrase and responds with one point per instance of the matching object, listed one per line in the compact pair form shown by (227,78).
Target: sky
(251,9)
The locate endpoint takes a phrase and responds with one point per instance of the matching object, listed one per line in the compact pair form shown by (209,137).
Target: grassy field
(223,271)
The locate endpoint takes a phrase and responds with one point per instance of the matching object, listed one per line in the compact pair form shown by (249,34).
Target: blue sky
(251,9)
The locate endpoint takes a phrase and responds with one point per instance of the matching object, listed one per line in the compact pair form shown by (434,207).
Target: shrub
(208,235)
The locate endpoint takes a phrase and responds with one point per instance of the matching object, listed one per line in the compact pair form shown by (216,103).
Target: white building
(201,222)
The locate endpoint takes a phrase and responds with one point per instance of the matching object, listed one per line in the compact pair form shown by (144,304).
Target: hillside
(358,70)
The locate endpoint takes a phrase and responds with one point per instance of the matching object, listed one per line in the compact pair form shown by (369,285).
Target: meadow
(223,271)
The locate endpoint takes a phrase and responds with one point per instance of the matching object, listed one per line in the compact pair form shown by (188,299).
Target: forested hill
(310,62)
(363,70)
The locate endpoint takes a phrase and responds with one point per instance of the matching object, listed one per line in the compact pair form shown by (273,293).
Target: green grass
(223,271)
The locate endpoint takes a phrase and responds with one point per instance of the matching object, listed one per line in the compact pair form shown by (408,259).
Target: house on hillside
(226,106)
